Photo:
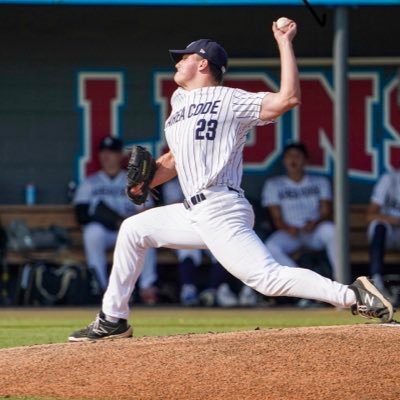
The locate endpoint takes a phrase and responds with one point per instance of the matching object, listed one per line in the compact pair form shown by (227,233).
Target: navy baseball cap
(206,48)
(110,143)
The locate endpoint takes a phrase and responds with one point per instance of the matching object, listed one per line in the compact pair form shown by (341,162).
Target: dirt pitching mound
(341,362)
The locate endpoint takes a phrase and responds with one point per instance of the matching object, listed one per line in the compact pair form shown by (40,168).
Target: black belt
(198,198)
(233,190)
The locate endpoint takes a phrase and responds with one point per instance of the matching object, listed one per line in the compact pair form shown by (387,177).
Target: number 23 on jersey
(206,129)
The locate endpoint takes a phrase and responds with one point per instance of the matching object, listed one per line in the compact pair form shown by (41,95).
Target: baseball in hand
(282,22)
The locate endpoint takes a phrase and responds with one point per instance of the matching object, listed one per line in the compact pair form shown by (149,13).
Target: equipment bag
(43,284)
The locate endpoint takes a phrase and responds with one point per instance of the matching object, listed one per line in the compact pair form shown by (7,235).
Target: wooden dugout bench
(42,216)
(38,216)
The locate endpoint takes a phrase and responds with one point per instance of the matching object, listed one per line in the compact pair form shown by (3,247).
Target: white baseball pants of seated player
(281,244)
(223,223)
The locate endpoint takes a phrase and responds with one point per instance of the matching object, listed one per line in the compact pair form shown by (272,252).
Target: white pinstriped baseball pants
(223,223)
(97,240)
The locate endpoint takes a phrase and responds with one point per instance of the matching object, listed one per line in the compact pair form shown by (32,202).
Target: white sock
(350,298)
(112,319)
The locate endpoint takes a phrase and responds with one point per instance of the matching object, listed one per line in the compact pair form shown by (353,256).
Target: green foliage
(22,327)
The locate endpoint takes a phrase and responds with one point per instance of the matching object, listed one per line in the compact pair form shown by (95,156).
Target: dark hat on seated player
(206,48)
(111,143)
(296,146)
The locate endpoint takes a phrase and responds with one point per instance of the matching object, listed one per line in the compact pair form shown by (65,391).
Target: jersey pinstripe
(206,133)
(299,201)
(386,193)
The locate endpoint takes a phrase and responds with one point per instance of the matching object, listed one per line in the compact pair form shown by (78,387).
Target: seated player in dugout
(300,206)
(206,153)
(383,217)
(101,205)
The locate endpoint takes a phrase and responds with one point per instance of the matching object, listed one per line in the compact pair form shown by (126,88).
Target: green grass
(30,326)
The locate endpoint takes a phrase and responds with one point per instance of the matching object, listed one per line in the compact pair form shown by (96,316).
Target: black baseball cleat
(100,329)
(371,303)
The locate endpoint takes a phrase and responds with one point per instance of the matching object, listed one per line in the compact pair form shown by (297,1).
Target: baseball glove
(141,169)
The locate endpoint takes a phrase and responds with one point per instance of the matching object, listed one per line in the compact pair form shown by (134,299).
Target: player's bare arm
(288,97)
(325,212)
(374,213)
(165,169)
(276,215)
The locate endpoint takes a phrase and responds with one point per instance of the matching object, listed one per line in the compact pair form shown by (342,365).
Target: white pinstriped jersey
(99,186)
(172,192)
(206,133)
(386,193)
(299,201)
